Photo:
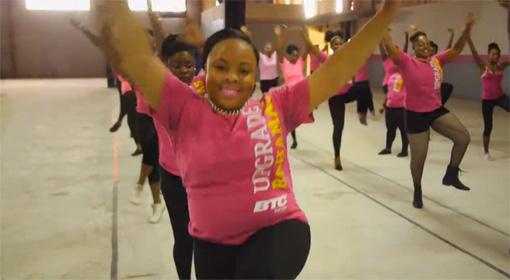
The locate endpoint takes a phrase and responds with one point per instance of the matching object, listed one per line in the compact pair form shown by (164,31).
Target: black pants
(337,112)
(122,111)
(364,97)
(128,105)
(148,137)
(266,85)
(276,252)
(395,119)
(177,204)
(488,109)
(446,92)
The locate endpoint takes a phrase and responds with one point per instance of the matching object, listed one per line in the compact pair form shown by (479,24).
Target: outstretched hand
(470,21)
(391,5)
(246,31)
(192,33)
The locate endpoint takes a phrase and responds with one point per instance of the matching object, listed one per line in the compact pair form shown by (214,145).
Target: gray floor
(58,196)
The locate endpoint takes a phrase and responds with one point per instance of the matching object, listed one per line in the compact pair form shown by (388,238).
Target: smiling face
(230,73)
(421,47)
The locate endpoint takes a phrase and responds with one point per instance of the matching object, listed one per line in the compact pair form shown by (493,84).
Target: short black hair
(291,48)
(493,46)
(172,46)
(415,35)
(330,34)
(434,45)
(224,34)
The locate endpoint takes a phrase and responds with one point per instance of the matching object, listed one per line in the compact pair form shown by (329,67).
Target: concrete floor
(64,217)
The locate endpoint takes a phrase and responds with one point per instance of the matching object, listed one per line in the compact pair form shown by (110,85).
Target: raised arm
(280,42)
(406,41)
(344,63)
(479,62)
(450,40)
(461,42)
(391,48)
(127,47)
(91,36)
(312,49)
(157,28)
(382,51)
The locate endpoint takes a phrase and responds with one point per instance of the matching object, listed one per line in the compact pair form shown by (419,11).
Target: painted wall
(45,45)
(435,19)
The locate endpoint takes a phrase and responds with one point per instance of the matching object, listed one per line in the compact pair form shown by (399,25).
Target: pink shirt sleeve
(294,103)
(174,97)
(442,57)
(404,60)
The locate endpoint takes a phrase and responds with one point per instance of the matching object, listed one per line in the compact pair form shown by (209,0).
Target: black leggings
(276,252)
(488,109)
(337,112)
(446,92)
(128,106)
(364,97)
(146,133)
(177,204)
(266,85)
(395,119)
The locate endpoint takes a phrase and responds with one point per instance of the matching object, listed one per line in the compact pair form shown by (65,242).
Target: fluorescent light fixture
(310,7)
(173,6)
(58,5)
(339,7)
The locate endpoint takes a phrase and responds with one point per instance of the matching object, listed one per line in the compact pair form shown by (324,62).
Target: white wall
(45,45)
(435,19)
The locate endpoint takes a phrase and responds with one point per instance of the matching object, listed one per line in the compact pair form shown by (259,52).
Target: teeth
(230,93)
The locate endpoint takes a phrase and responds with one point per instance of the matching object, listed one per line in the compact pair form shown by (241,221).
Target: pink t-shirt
(125,86)
(166,148)
(235,168)
(292,73)
(422,81)
(362,74)
(389,69)
(267,66)
(315,61)
(491,84)
(396,91)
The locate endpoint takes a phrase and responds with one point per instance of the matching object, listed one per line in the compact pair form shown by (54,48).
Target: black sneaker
(402,154)
(115,127)
(385,151)
(294,145)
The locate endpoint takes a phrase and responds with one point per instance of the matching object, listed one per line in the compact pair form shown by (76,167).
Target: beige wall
(44,45)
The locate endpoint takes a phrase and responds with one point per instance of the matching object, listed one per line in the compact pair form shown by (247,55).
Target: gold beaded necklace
(224,112)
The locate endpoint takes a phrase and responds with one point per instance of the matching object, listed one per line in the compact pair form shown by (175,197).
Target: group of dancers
(225,175)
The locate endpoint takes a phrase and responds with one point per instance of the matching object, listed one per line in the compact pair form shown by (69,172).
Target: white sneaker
(137,195)
(487,156)
(157,212)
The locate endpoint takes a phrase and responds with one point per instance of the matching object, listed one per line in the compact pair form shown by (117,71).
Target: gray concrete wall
(45,45)
(435,19)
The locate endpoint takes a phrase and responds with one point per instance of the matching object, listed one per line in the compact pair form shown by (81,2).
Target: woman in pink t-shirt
(231,150)
(292,64)
(268,68)
(492,92)
(422,76)
(393,85)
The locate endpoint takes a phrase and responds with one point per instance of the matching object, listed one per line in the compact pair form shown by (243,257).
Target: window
(58,5)
(310,7)
(170,6)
